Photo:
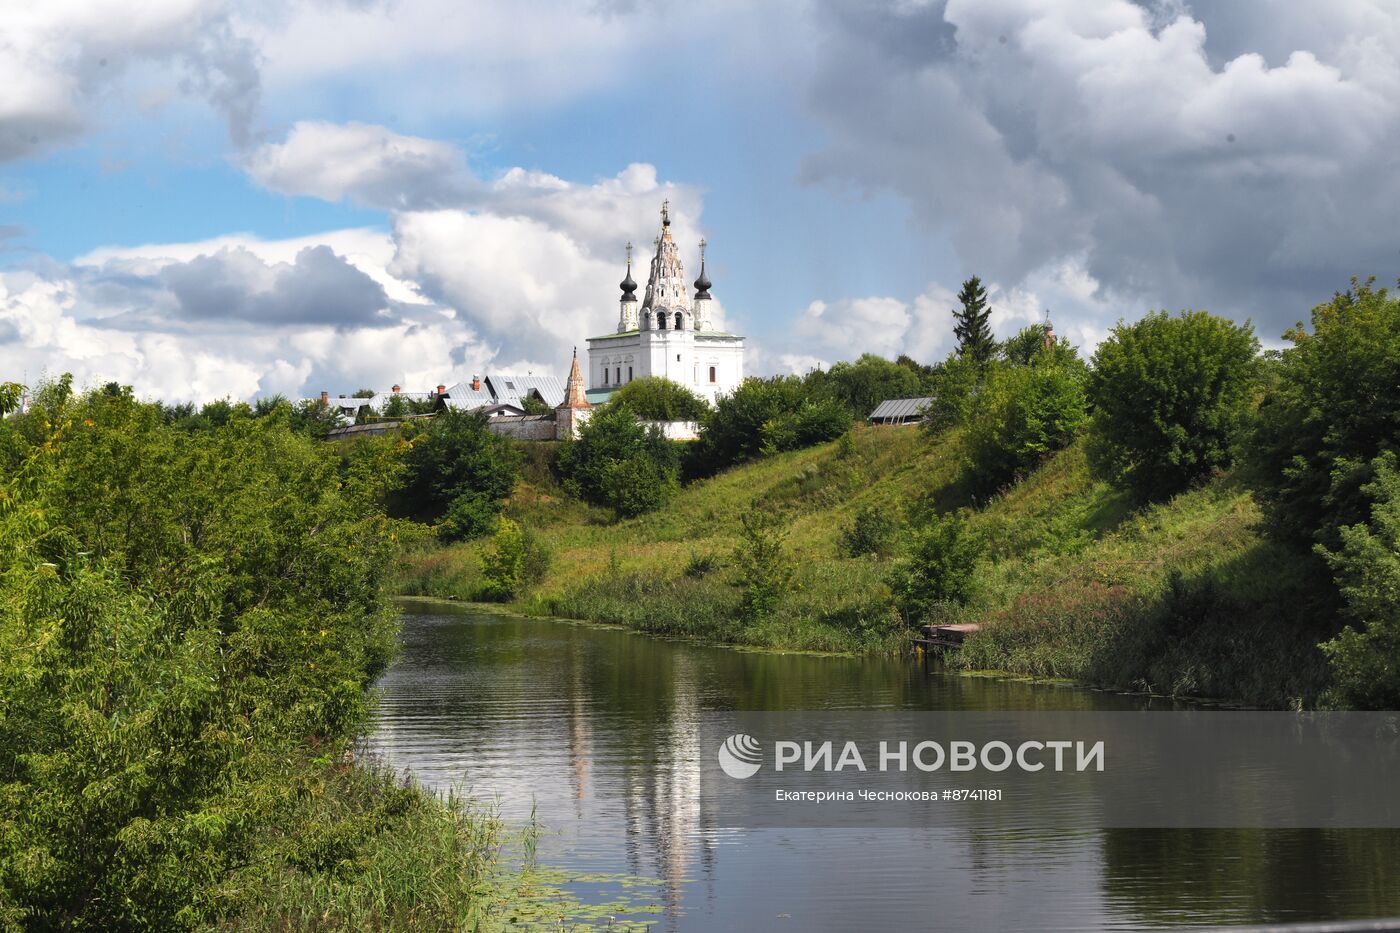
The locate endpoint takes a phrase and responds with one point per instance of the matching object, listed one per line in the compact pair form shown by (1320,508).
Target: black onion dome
(628,286)
(702,284)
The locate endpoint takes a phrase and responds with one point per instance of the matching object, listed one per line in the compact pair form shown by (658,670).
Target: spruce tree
(972,323)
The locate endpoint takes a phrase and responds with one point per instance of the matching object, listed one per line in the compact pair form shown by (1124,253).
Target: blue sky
(214,197)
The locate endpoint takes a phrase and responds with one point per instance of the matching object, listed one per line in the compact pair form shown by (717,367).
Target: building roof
(599,396)
(505,390)
(495,411)
(512,390)
(462,395)
(895,409)
(344,403)
(574,393)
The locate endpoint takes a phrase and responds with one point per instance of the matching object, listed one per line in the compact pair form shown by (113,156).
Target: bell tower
(666,305)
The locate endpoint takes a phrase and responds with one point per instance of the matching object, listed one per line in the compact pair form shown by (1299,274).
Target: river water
(592,728)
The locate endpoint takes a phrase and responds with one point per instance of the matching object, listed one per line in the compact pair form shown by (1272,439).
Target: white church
(671,334)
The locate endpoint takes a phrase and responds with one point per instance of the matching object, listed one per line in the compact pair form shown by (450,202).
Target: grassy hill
(1183,598)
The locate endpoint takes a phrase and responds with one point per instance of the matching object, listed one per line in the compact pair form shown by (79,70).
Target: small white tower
(704,318)
(627,319)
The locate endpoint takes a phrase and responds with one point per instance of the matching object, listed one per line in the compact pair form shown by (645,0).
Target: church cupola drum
(671,334)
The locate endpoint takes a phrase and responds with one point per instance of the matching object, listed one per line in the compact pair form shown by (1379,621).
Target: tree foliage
(937,570)
(1365,657)
(654,398)
(761,564)
(972,323)
(1172,397)
(864,384)
(190,621)
(503,563)
(765,416)
(953,388)
(620,463)
(10,394)
(871,532)
(1023,414)
(458,474)
(1332,407)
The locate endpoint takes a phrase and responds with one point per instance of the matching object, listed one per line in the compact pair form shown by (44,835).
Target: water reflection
(597,728)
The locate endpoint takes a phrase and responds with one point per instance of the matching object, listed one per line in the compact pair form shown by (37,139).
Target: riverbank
(1184,598)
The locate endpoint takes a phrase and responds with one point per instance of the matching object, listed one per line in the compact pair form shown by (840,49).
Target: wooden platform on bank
(946,636)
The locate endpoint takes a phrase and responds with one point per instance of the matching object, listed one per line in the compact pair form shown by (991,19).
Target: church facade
(670,333)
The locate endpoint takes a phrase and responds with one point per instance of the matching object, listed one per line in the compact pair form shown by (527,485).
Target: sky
(240,198)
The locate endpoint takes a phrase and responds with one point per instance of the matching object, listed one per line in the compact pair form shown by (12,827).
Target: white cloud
(530,259)
(64,58)
(1174,168)
(235,317)
(423,59)
(512,280)
(361,162)
(922,328)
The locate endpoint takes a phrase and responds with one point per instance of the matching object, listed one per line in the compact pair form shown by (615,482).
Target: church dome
(703,283)
(628,286)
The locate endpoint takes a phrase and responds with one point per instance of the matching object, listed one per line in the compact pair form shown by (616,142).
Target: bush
(468,516)
(938,569)
(618,462)
(817,423)
(189,621)
(457,473)
(10,393)
(1172,395)
(734,431)
(1024,414)
(864,384)
(762,567)
(700,564)
(639,484)
(654,398)
(759,417)
(871,532)
(812,423)
(503,563)
(1333,407)
(953,387)
(1365,657)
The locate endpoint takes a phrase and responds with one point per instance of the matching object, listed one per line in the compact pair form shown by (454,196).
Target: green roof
(598,396)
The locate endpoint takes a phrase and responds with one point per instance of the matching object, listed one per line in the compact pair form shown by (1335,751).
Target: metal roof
(598,396)
(505,390)
(511,390)
(462,395)
(345,404)
(900,409)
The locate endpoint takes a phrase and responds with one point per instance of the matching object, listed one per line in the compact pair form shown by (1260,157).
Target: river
(592,728)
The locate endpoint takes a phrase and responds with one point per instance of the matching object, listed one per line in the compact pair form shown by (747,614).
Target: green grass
(375,853)
(1183,598)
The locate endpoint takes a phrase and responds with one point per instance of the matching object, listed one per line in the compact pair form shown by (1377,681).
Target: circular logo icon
(740,756)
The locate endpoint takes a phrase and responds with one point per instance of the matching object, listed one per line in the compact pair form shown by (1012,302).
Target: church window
(629,373)
(712,374)
(679,320)
(661,320)
(618,380)
(605,375)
